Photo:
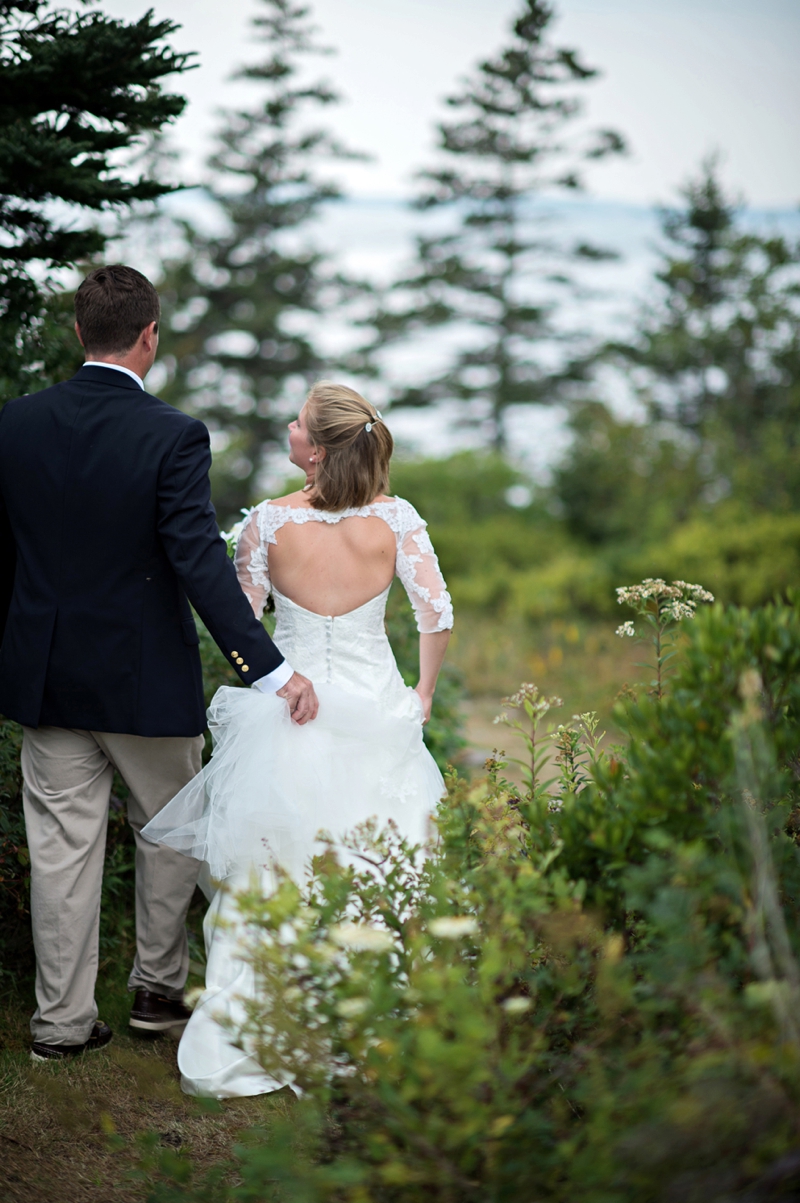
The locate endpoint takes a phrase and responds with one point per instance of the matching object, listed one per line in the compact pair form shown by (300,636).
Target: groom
(107,533)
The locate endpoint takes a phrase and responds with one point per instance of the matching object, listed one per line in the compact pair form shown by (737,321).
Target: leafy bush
(588,991)
(462,490)
(630,504)
(744,558)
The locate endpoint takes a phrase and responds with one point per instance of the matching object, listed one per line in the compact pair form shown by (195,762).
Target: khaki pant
(67,777)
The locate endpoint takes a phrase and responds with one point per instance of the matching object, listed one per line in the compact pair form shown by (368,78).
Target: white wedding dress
(271,786)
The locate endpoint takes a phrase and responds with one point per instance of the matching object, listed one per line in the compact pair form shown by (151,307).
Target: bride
(327,555)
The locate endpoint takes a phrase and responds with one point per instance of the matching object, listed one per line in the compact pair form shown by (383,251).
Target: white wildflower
(516,1005)
(635,594)
(627,628)
(361,937)
(680,610)
(677,601)
(453,927)
(351,1008)
(695,591)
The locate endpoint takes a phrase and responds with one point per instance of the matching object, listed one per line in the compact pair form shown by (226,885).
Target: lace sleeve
(418,569)
(251,564)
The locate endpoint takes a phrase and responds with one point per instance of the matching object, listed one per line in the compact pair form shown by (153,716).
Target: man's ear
(148,335)
(78,335)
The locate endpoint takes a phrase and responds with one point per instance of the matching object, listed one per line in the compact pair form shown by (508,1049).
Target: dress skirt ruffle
(270,788)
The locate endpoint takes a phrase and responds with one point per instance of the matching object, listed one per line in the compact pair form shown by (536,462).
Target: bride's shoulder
(274,512)
(292,501)
(400,513)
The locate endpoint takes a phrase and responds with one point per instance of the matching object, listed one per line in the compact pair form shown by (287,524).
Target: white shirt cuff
(275,680)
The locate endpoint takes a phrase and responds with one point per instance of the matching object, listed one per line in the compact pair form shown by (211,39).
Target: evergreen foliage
(719,353)
(623,481)
(510,140)
(238,341)
(76,89)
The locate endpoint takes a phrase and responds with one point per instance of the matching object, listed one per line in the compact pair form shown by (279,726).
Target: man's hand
(299,693)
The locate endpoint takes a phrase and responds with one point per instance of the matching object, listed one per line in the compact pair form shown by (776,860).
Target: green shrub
(464,489)
(744,558)
(627,524)
(571,583)
(589,992)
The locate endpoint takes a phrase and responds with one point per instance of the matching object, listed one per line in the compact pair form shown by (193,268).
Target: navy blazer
(106,529)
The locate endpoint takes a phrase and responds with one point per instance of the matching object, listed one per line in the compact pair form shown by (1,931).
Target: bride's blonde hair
(357,443)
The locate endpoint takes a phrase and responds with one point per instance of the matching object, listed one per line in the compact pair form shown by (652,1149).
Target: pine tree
(240,349)
(718,354)
(512,139)
(75,90)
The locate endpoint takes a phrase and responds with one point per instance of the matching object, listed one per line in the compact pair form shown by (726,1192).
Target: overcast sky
(680,78)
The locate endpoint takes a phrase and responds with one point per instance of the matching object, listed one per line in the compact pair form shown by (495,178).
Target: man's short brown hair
(112,307)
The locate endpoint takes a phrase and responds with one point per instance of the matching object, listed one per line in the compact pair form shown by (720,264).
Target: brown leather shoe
(152,1012)
(100,1036)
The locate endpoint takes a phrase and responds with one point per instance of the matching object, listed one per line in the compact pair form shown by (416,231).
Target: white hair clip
(378,418)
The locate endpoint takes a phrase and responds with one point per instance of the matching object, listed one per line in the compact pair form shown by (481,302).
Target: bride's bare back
(332,568)
(332,563)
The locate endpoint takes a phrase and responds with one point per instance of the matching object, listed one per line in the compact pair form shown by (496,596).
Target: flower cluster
(669,602)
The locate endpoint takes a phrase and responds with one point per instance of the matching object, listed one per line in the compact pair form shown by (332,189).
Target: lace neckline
(398,514)
(329,515)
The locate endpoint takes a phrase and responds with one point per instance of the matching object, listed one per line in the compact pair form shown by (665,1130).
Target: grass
(78,1131)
